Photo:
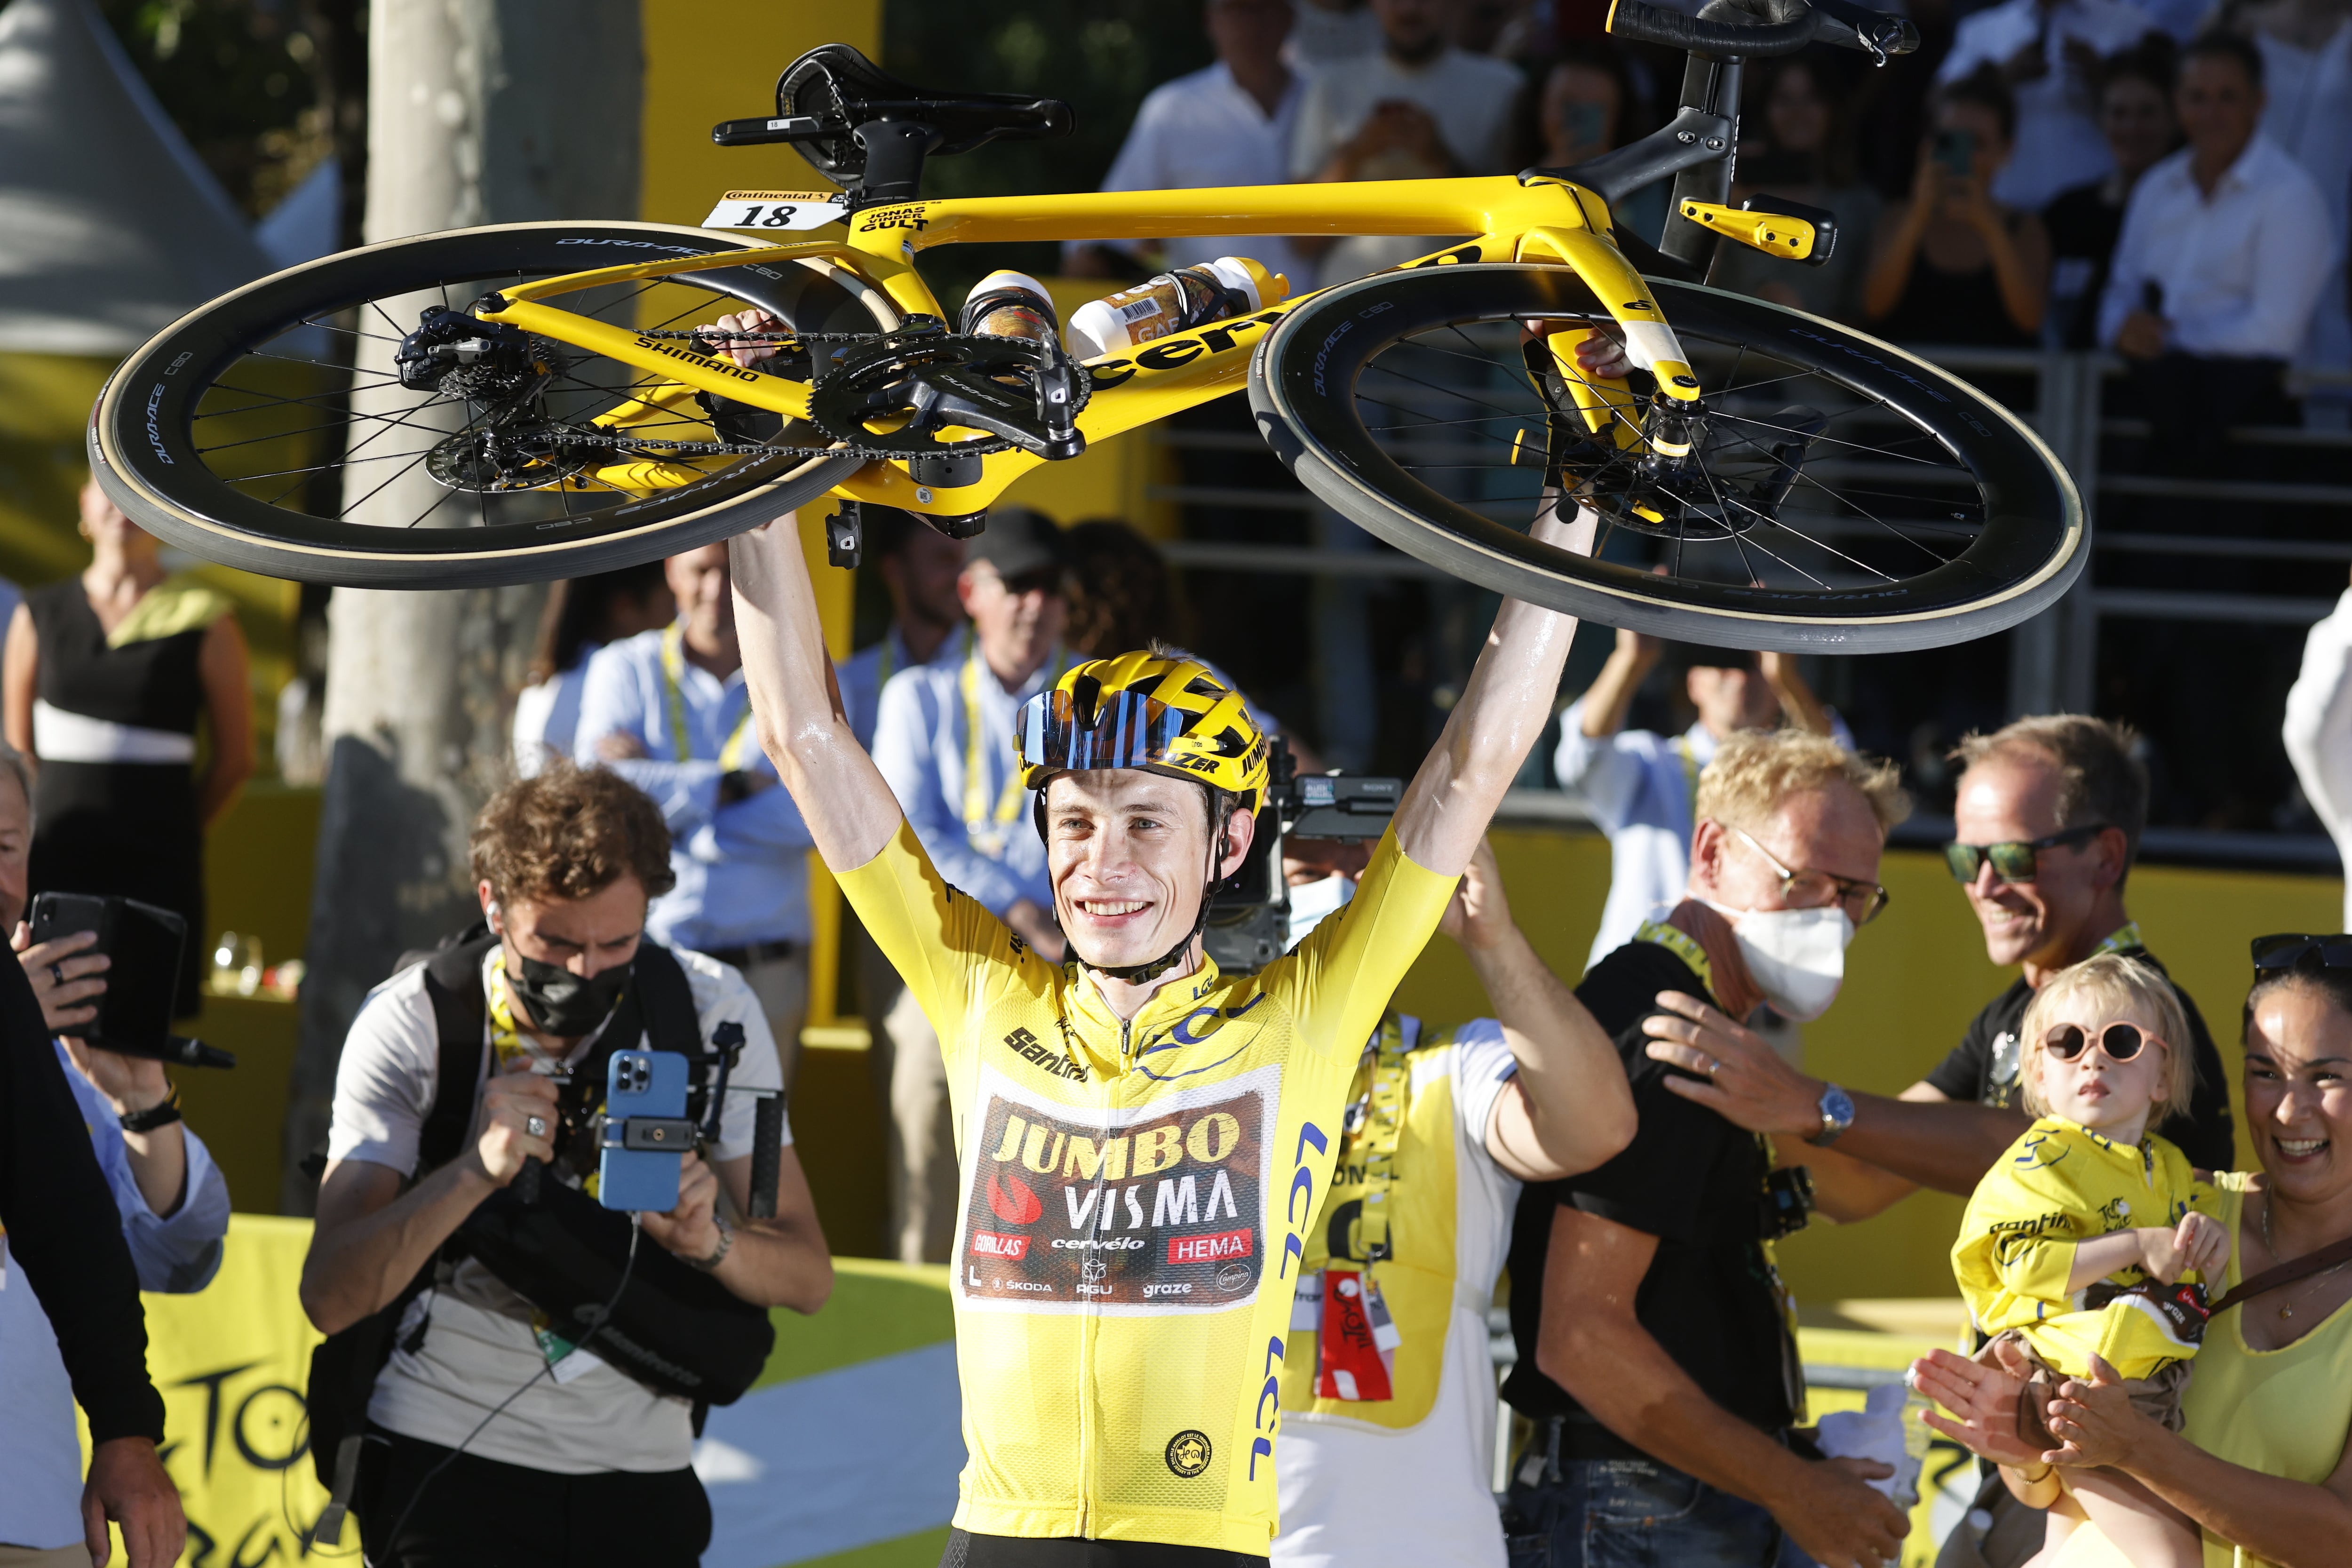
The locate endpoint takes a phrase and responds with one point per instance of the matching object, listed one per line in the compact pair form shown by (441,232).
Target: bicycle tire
(146,456)
(2030,546)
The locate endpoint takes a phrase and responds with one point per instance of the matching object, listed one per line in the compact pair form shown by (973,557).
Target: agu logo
(1188,1453)
(1012,1200)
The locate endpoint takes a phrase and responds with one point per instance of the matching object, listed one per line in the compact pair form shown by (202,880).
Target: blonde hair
(2124,986)
(1754,772)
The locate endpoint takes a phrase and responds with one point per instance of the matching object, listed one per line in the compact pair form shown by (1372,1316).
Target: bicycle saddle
(826,99)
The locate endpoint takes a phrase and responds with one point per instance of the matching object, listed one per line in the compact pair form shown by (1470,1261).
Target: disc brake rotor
(522,455)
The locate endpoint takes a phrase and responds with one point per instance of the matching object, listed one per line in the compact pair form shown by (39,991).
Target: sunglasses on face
(2120,1041)
(2294,951)
(2018,860)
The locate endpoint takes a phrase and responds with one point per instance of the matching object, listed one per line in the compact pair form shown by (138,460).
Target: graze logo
(1163,1213)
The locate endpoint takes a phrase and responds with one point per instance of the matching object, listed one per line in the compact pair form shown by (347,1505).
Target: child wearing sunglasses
(2087,1241)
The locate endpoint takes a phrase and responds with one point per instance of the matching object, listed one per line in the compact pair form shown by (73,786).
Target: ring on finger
(536,1126)
(1713,1066)
(58,972)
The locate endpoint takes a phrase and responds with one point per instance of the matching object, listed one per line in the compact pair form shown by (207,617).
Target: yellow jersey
(2058,1185)
(1136,1199)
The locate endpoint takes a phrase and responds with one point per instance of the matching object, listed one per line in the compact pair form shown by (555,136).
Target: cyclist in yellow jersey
(1144,1143)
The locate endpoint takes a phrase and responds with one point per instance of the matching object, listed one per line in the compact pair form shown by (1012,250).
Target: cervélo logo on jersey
(1136,1210)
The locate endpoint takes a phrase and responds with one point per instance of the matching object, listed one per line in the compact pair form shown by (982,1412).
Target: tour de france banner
(230,1362)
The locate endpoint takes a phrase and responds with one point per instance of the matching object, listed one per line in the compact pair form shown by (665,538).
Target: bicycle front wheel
(1831,494)
(271,431)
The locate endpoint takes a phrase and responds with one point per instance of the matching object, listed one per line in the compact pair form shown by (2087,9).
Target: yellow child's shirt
(2057,1187)
(1137,1199)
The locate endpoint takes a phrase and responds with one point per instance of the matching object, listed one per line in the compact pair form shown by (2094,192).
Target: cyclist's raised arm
(850,811)
(1509,701)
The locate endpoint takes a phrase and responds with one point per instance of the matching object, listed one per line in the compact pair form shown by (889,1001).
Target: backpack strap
(453,981)
(666,997)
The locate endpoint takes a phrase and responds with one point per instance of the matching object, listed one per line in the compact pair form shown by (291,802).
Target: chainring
(883,381)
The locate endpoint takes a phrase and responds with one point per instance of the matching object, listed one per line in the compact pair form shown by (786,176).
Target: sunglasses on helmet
(2018,860)
(2121,1041)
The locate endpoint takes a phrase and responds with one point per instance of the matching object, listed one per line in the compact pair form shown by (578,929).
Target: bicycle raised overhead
(1763,476)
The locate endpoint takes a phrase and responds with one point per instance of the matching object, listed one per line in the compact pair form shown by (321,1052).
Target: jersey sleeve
(1338,982)
(1483,1063)
(2019,1232)
(936,938)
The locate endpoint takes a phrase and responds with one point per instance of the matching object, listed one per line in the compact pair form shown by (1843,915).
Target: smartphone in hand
(646,1133)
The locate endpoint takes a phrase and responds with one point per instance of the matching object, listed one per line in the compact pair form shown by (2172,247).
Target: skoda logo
(1188,1453)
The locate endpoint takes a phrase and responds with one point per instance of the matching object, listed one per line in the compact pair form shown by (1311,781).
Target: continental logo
(1025,1046)
(1175,352)
(672,351)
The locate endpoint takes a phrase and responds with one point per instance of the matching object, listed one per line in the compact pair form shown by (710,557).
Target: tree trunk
(482,111)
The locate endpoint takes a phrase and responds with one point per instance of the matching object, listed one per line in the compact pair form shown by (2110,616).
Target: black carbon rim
(149,446)
(1395,399)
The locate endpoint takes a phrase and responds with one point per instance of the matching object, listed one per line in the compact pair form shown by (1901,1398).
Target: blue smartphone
(646,1134)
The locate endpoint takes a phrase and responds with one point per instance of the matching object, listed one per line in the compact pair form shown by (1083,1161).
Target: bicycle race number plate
(770,210)
(1151,1210)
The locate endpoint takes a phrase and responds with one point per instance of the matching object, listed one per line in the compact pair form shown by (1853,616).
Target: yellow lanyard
(986,830)
(508,1041)
(673,661)
(1374,1136)
(1690,771)
(2124,939)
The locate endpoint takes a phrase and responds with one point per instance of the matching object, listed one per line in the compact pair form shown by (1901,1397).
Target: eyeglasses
(2017,861)
(1862,902)
(2274,954)
(2120,1041)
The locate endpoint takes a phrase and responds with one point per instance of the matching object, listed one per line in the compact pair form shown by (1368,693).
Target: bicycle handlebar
(1782,28)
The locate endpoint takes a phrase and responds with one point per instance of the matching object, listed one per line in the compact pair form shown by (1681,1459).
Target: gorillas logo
(1012,1200)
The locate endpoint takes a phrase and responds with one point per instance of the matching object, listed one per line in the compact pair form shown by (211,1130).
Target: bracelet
(162,1113)
(2047,1471)
(718,1253)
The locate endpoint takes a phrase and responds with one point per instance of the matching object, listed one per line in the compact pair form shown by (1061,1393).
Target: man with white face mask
(1655,1353)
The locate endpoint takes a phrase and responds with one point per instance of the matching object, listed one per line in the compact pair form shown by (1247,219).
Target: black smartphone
(1957,150)
(144,942)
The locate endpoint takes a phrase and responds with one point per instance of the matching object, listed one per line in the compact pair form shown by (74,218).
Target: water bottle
(1172,302)
(1008,304)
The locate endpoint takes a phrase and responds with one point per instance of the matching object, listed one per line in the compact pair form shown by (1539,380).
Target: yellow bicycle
(533,401)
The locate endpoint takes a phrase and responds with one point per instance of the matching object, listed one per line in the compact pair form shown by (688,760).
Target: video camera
(1249,914)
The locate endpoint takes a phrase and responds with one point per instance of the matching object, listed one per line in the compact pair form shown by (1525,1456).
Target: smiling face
(2094,1090)
(1729,699)
(2012,797)
(1018,622)
(1129,853)
(15,849)
(2137,120)
(2298,1091)
(700,581)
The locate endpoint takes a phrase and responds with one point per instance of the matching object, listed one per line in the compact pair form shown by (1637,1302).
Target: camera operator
(169,1204)
(584,1464)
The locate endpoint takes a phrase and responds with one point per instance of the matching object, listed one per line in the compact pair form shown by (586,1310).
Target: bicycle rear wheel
(1838,496)
(268,429)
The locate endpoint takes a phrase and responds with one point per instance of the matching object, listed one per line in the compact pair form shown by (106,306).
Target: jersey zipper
(1089,1324)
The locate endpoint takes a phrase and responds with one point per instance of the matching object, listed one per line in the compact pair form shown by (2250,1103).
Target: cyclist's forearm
(850,811)
(1945,1145)
(1505,707)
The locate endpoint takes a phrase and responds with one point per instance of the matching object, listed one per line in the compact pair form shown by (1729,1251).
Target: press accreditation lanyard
(673,663)
(564,1360)
(1356,1338)
(985,829)
(1685,946)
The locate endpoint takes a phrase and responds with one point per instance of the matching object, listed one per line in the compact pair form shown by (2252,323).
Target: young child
(2087,1238)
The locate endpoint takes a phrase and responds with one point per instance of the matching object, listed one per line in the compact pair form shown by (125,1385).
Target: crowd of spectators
(2169,180)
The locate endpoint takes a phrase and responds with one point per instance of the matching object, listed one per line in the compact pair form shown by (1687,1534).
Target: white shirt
(1206,130)
(1472,99)
(547,716)
(1353,1495)
(2318,730)
(479,1347)
(2241,272)
(40,1463)
(2058,141)
(2308,92)
(864,674)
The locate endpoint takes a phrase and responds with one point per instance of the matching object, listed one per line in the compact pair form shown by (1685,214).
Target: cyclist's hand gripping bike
(540,400)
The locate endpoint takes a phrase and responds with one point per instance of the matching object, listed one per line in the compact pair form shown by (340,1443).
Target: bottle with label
(1008,304)
(1172,302)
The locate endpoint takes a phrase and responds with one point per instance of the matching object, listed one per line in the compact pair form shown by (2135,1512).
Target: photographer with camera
(1444,1125)
(170,1206)
(491,1431)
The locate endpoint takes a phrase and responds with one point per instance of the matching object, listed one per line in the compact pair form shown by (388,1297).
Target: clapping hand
(2096,1419)
(2199,1244)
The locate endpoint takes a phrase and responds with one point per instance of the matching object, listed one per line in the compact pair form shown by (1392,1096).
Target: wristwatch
(1837,1115)
(162,1113)
(718,1253)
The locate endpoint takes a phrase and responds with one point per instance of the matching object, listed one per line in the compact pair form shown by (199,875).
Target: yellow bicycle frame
(1513,219)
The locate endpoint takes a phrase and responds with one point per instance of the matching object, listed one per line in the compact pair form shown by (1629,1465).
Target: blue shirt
(743,869)
(179,1252)
(922,744)
(863,675)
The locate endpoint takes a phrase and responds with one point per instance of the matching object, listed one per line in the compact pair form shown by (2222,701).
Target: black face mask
(564,1005)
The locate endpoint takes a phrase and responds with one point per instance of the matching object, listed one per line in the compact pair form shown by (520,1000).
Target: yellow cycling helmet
(1165,714)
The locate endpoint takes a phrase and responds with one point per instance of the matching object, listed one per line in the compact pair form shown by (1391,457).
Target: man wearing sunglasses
(1144,1140)
(2047,818)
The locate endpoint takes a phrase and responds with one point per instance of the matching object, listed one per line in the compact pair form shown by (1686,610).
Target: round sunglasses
(2121,1041)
